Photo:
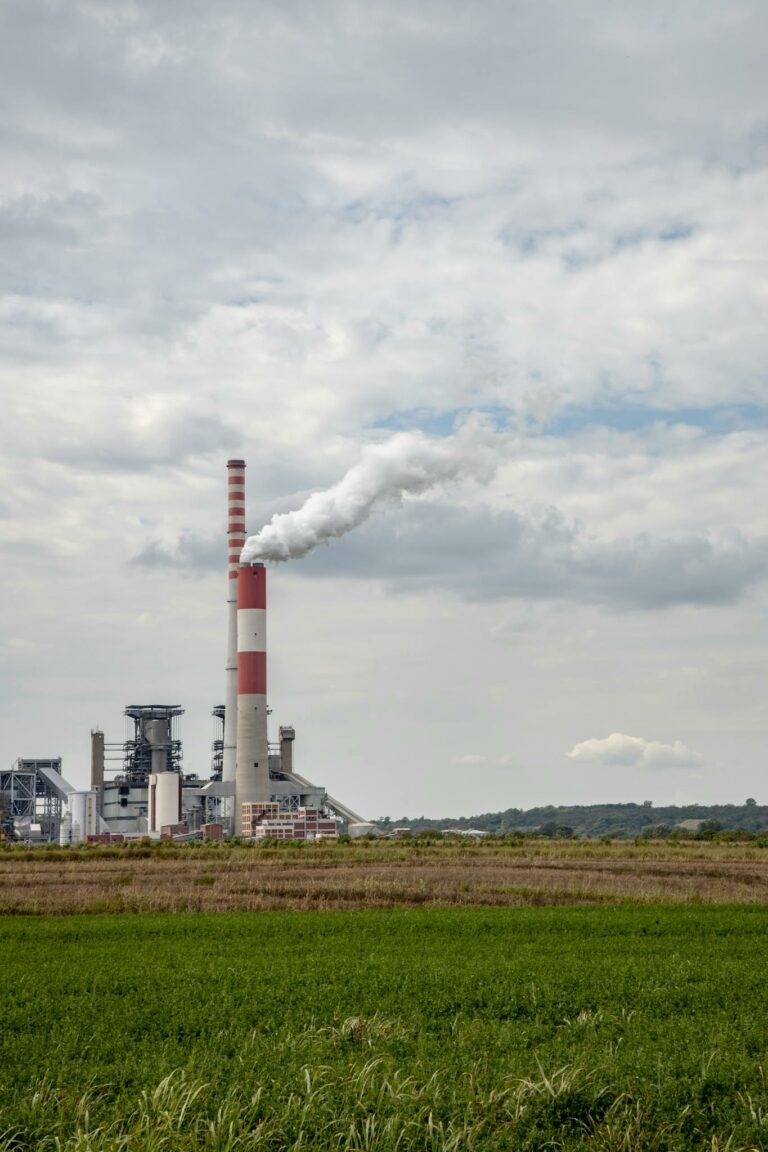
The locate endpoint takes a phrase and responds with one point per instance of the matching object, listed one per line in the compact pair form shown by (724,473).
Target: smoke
(409,463)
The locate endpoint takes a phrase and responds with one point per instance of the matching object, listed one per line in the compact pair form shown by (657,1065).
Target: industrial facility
(138,787)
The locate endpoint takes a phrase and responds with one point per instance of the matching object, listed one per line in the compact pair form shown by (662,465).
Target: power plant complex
(138,788)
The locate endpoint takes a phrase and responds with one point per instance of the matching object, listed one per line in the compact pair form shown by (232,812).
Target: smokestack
(252,768)
(97,766)
(235,542)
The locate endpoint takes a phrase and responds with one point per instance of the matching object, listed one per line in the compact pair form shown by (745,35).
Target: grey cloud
(45,221)
(484,555)
(192,554)
(191,151)
(167,442)
(257,229)
(487,555)
(346,68)
(242,77)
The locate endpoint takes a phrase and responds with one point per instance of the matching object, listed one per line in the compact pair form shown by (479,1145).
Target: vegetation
(420,870)
(615,820)
(599,1028)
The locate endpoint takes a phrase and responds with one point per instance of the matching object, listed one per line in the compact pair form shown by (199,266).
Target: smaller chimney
(287,737)
(97,767)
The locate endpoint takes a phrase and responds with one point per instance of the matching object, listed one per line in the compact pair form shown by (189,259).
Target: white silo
(164,797)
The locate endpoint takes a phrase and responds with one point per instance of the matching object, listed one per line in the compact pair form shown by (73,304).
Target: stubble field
(377,875)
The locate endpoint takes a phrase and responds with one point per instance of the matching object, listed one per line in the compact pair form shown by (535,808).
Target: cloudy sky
(286,230)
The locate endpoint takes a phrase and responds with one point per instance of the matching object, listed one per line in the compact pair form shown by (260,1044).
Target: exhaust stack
(235,541)
(252,767)
(97,767)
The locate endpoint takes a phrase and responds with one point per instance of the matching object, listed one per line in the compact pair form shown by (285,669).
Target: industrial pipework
(235,542)
(252,766)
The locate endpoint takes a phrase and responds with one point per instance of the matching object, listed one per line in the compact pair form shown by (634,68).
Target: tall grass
(604,1027)
(371,1110)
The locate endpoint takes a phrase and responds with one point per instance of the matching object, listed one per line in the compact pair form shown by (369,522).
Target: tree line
(594,820)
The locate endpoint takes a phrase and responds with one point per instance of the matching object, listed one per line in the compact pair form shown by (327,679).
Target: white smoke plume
(408,463)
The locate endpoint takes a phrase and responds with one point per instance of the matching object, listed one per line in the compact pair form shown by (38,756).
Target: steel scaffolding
(28,799)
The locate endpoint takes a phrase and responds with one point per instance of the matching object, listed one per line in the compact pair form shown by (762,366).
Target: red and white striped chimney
(235,542)
(252,769)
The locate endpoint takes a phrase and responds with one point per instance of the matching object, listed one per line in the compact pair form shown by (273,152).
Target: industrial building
(33,796)
(138,787)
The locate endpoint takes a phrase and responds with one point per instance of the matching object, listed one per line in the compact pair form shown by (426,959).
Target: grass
(228,877)
(602,1027)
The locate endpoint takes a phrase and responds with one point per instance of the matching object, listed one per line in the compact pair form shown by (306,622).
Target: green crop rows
(604,1028)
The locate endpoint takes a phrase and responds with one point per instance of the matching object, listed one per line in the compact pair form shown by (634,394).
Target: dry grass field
(378,875)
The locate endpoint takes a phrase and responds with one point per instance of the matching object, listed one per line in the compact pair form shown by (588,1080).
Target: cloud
(189,553)
(267,230)
(470,760)
(553,229)
(648,520)
(622,751)
(482,553)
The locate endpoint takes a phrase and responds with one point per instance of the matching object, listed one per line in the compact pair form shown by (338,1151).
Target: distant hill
(615,820)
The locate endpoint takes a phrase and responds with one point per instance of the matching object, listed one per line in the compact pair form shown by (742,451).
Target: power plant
(138,788)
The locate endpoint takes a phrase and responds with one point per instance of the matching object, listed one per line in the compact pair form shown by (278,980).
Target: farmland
(384,995)
(602,1027)
(385,874)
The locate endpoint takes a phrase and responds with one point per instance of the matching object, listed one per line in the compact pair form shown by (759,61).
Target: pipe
(252,764)
(235,542)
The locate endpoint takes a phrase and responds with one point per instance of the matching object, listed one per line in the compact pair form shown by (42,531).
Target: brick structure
(266,821)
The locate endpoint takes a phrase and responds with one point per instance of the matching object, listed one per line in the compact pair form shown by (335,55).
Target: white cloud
(618,750)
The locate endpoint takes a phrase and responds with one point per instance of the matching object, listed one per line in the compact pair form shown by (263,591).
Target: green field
(599,1027)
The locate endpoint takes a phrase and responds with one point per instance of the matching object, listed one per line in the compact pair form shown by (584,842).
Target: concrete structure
(252,762)
(152,747)
(287,737)
(172,831)
(235,541)
(163,801)
(357,829)
(82,820)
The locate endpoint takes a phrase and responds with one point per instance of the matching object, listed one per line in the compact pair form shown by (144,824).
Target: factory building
(139,787)
(270,821)
(146,790)
(33,794)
